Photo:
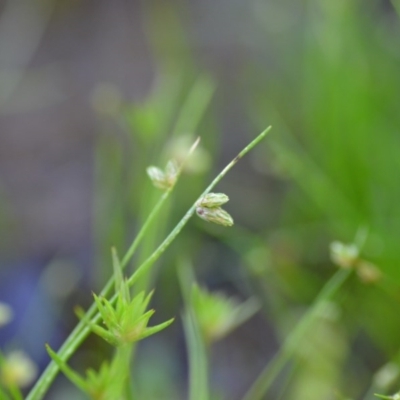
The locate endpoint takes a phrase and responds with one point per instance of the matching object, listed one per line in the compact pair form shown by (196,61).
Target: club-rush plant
(122,320)
(121,317)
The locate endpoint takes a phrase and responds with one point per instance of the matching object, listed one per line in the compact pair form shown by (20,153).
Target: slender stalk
(81,330)
(123,355)
(142,232)
(197,352)
(195,343)
(273,368)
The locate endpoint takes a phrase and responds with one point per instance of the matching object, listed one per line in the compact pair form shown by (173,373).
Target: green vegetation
(309,248)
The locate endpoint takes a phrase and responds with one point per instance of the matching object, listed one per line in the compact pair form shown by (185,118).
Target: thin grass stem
(197,353)
(195,344)
(274,367)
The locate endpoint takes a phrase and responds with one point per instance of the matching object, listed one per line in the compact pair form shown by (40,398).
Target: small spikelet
(157,176)
(164,180)
(215,214)
(212,200)
(171,173)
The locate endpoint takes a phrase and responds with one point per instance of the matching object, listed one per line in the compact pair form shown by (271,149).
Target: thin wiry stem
(274,367)
(197,353)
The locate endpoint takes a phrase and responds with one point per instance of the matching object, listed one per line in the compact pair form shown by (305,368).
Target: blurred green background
(93,92)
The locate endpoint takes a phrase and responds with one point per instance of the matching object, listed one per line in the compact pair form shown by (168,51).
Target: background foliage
(95,92)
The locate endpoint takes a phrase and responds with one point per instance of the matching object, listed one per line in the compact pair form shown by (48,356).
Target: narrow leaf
(69,373)
(154,329)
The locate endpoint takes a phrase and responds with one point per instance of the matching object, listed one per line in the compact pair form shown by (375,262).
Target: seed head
(344,255)
(164,180)
(215,214)
(212,200)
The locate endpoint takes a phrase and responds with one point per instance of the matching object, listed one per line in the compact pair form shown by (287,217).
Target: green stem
(124,355)
(81,330)
(142,232)
(197,353)
(273,368)
(195,343)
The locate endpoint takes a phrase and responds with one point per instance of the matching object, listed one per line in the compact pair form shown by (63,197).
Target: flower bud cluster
(348,256)
(344,255)
(208,208)
(166,179)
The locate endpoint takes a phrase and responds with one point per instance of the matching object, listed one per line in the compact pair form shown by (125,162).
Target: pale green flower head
(157,176)
(166,179)
(216,215)
(212,200)
(171,170)
(344,255)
